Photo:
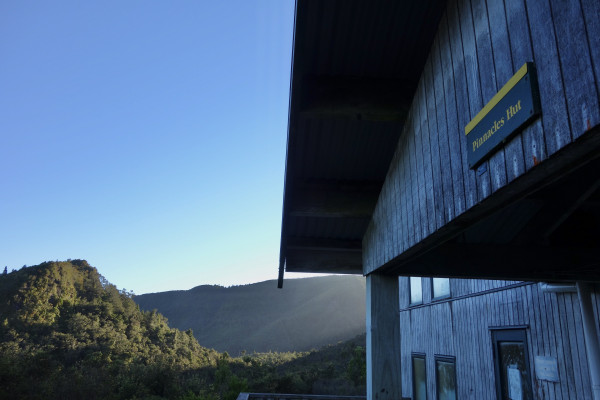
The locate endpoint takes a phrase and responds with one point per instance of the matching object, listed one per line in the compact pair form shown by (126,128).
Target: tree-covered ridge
(66,333)
(64,327)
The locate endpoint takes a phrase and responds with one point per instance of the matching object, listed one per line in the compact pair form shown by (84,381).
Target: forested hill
(67,333)
(307,313)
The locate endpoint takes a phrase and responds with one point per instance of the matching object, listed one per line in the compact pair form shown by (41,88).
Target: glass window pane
(416,290)
(419,379)
(512,365)
(445,379)
(514,377)
(441,287)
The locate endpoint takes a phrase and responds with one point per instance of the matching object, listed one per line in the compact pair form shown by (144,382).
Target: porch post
(383,338)
(590,331)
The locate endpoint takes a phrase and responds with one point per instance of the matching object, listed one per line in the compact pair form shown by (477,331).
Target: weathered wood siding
(554,329)
(383,366)
(479,46)
(458,288)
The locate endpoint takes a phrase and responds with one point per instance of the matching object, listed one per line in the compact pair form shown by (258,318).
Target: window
(419,377)
(445,378)
(416,290)
(440,288)
(513,379)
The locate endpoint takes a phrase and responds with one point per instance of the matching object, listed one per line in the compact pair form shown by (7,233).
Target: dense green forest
(307,313)
(67,333)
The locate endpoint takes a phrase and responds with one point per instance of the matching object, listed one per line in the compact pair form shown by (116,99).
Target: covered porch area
(377,178)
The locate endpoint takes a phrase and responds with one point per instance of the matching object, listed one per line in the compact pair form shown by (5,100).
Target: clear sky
(147,137)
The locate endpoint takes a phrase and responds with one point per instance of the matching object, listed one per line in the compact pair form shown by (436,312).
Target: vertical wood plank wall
(479,46)
(554,329)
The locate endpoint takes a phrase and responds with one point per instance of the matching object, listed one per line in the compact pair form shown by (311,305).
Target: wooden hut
(455,139)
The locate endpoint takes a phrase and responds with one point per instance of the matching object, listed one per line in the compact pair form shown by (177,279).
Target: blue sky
(147,137)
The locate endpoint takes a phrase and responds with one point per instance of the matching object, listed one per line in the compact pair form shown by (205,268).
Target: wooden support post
(590,331)
(384,380)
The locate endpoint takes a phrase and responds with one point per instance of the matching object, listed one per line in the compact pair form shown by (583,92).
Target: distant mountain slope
(305,314)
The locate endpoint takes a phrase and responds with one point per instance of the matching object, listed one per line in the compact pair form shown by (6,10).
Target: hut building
(449,152)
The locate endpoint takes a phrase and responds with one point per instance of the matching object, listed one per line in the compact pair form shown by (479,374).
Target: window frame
(447,359)
(510,334)
(443,297)
(412,370)
(410,302)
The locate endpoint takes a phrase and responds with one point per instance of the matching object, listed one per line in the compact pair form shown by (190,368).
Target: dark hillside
(338,369)
(305,314)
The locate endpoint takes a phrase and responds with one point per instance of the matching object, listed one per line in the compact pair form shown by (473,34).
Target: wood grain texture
(418,209)
(567,346)
(427,181)
(406,190)
(500,42)
(405,349)
(459,184)
(431,152)
(397,208)
(383,339)
(552,96)
(473,86)
(519,35)
(553,328)
(576,68)
(487,76)
(554,345)
(591,12)
(385,221)
(479,46)
(378,233)
(403,187)
(443,163)
(461,96)
(368,260)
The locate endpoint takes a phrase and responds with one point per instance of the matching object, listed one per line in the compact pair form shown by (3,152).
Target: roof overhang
(355,67)
(544,226)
